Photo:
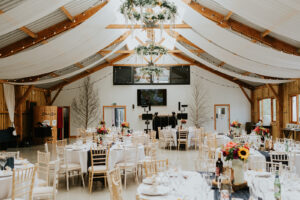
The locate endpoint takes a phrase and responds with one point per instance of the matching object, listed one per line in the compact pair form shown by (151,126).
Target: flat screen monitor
(182,116)
(153,97)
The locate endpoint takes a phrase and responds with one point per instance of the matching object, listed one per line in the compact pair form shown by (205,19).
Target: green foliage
(151,50)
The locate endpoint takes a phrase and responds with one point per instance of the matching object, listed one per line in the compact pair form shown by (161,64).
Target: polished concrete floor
(182,159)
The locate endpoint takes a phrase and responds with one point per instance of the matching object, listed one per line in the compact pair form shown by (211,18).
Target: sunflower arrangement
(235,151)
(264,132)
(125,125)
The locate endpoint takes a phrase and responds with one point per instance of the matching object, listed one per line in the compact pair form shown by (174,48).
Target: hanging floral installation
(152,69)
(150,50)
(149,12)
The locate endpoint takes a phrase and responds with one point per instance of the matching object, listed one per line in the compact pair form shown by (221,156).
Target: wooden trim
(137,26)
(114,106)
(240,28)
(215,106)
(226,18)
(245,93)
(273,91)
(291,108)
(28,32)
(49,32)
(265,33)
(56,95)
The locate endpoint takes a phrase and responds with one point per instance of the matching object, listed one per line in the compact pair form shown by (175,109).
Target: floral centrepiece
(125,125)
(264,132)
(101,128)
(235,124)
(150,50)
(234,150)
(183,121)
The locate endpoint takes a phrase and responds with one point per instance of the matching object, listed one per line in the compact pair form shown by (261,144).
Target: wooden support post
(18,114)
(252,106)
(246,95)
(280,108)
(56,95)
(47,95)
(23,98)
(273,91)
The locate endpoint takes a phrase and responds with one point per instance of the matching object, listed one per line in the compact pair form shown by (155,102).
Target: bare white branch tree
(198,107)
(86,106)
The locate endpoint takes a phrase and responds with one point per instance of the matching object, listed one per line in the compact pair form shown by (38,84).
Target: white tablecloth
(115,156)
(6,183)
(181,185)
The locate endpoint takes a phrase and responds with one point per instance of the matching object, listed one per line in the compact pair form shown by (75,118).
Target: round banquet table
(6,183)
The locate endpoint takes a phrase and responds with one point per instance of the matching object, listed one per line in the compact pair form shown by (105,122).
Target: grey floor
(182,159)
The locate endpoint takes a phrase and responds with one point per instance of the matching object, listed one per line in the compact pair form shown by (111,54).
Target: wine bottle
(277,187)
(219,166)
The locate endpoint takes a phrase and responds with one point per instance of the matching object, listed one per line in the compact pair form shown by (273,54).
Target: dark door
(66,120)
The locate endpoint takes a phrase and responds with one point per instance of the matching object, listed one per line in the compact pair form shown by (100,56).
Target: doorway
(222,118)
(114,115)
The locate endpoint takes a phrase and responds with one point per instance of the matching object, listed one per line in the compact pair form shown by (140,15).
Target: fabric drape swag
(9,95)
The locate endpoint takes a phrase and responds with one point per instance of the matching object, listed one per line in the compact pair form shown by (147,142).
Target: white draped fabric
(281,16)
(225,71)
(71,47)
(9,95)
(28,12)
(239,45)
(236,60)
(50,80)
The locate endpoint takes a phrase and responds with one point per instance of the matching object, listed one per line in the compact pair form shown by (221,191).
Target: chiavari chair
(67,168)
(43,166)
(8,154)
(198,137)
(130,164)
(150,168)
(23,182)
(153,135)
(62,143)
(182,139)
(161,165)
(280,157)
(99,165)
(48,192)
(115,184)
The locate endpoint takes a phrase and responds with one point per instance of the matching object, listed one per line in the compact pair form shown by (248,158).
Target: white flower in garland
(151,50)
(149,12)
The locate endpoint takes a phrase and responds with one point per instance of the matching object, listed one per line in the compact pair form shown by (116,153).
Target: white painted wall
(219,91)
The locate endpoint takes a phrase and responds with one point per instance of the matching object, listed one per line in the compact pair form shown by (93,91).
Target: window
(267,110)
(295,109)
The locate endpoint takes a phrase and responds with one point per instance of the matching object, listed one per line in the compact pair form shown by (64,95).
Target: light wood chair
(182,139)
(161,165)
(153,135)
(198,139)
(151,155)
(23,182)
(67,168)
(130,164)
(47,192)
(280,157)
(149,168)
(43,166)
(62,143)
(115,184)
(99,165)
(8,154)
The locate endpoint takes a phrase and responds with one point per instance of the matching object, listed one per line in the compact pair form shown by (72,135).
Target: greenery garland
(130,10)
(150,50)
(151,70)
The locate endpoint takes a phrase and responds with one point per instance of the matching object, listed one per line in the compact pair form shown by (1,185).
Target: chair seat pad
(41,182)
(42,191)
(98,168)
(182,140)
(71,166)
(15,199)
(126,165)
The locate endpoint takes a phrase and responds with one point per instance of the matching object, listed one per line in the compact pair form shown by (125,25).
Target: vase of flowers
(235,127)
(263,132)
(124,125)
(237,154)
(183,122)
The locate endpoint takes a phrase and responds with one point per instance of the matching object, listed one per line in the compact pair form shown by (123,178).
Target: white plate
(21,162)
(148,181)
(157,191)
(5,174)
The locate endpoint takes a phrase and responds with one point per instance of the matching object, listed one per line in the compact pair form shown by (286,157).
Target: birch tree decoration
(86,106)
(198,107)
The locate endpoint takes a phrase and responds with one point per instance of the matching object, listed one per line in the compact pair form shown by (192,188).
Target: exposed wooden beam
(92,70)
(273,91)
(161,41)
(28,32)
(265,33)
(81,66)
(225,76)
(67,13)
(245,93)
(228,16)
(158,57)
(1,12)
(139,40)
(248,31)
(221,64)
(49,32)
(23,98)
(120,39)
(56,95)
(137,26)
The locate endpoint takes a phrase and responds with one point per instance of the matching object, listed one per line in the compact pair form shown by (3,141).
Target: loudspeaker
(132,106)
(179,106)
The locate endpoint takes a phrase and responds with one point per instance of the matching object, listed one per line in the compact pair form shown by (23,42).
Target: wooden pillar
(280,106)
(18,113)
(47,97)
(252,106)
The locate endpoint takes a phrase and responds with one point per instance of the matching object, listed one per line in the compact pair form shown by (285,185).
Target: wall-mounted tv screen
(154,97)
